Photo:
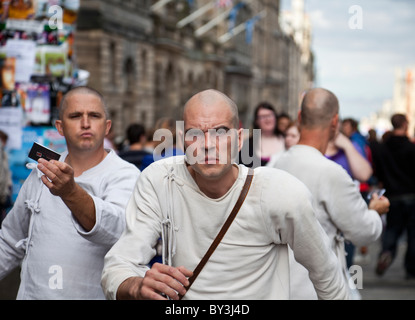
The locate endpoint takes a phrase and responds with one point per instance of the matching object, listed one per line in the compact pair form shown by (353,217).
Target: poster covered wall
(11,123)
(36,56)
(37,67)
(47,136)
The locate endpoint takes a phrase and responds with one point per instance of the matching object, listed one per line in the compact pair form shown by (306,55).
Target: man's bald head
(207,98)
(81,90)
(318,108)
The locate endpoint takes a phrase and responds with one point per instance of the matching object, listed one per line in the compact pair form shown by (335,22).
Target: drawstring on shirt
(168,227)
(33,206)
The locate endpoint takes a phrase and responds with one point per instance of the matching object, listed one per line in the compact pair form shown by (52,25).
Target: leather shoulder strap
(225,228)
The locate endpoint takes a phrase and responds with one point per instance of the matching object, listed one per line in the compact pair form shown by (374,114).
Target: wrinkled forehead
(82,101)
(208,115)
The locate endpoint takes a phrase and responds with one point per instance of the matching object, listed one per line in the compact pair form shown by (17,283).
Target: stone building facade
(147,62)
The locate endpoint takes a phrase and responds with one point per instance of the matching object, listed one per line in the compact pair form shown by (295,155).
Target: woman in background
(258,149)
(292,136)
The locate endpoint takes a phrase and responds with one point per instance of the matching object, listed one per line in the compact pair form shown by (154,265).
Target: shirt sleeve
(15,228)
(143,229)
(110,206)
(291,215)
(348,210)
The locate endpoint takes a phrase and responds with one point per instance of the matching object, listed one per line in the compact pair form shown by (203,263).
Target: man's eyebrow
(94,113)
(214,128)
(74,113)
(82,112)
(187,130)
(221,127)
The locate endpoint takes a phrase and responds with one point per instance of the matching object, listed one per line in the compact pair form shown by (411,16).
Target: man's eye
(222,131)
(195,133)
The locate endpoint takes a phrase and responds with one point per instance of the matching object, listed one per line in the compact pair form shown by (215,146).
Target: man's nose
(85,123)
(210,140)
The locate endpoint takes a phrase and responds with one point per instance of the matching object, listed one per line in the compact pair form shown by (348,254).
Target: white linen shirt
(339,207)
(251,262)
(60,260)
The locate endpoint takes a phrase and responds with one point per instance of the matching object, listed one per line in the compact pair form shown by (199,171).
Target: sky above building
(358,44)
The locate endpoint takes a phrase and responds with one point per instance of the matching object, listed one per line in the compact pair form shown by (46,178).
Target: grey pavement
(392,285)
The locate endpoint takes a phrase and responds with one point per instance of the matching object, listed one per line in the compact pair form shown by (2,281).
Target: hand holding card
(379,192)
(38,151)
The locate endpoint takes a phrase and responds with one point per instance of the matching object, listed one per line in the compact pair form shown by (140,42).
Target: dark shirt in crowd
(134,156)
(394,164)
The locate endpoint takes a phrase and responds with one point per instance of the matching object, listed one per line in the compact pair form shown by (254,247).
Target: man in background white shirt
(341,209)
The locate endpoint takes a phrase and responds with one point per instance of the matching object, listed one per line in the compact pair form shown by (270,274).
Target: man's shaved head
(209,97)
(81,90)
(318,108)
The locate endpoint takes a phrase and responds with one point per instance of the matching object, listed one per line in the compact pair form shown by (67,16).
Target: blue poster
(47,136)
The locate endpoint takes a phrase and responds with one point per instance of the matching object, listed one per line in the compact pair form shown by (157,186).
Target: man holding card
(69,212)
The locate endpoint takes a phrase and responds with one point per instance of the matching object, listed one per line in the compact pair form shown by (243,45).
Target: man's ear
(58,126)
(240,139)
(108,124)
(299,117)
(335,122)
(180,138)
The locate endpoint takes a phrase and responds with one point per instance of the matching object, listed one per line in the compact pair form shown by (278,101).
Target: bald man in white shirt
(341,210)
(192,199)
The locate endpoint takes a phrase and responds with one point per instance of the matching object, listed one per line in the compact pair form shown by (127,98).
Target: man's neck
(216,188)
(81,162)
(400,132)
(318,139)
(136,146)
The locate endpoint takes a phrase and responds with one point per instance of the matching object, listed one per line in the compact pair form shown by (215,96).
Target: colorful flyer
(8,73)
(24,51)
(38,103)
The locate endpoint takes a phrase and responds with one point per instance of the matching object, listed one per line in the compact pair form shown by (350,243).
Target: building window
(129,75)
(144,64)
(113,64)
